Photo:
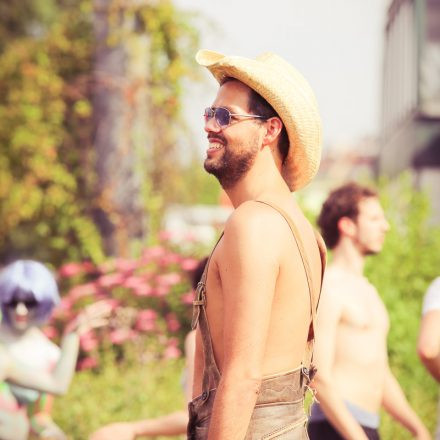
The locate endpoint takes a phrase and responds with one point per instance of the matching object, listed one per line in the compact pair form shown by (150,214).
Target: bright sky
(335,44)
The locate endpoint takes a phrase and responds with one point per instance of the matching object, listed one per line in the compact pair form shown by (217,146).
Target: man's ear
(346,226)
(273,130)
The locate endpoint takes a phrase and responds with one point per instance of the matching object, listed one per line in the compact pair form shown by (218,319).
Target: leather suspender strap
(308,273)
(200,297)
(211,374)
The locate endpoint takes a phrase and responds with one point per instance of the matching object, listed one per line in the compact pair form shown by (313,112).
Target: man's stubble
(234,163)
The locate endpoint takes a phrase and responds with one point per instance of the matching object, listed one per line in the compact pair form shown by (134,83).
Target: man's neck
(348,258)
(261,181)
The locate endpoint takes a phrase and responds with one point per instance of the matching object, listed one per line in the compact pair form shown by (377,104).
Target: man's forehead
(232,93)
(370,204)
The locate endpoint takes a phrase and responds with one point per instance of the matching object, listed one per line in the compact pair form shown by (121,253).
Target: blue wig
(27,279)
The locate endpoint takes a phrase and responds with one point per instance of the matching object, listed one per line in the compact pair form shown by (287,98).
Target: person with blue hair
(30,364)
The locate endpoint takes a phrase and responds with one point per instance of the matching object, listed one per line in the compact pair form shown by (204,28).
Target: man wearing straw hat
(256,303)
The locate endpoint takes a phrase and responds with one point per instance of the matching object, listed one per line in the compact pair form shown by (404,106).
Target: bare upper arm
(329,316)
(428,345)
(248,264)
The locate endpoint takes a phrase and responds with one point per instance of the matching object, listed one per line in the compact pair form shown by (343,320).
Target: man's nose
(21,309)
(211,125)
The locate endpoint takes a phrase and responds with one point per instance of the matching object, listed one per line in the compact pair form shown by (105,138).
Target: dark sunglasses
(223,116)
(29,303)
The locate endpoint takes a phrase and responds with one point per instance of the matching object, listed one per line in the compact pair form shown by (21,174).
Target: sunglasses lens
(209,113)
(30,304)
(222,116)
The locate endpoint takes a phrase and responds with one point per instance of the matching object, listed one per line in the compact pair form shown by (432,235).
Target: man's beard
(232,165)
(366,250)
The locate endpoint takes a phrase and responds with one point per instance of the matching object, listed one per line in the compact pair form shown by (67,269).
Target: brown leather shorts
(278,413)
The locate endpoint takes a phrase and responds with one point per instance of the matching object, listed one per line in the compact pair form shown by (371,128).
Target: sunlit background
(101,166)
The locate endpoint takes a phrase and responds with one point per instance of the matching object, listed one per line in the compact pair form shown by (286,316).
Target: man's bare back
(254,226)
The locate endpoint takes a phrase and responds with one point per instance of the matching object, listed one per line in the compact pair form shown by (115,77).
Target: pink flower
(189,236)
(173,323)
(111,280)
(169,258)
(189,264)
(112,302)
(146,320)
(165,235)
(161,291)
(172,351)
(82,290)
(126,265)
(187,298)
(134,281)
(88,341)
(50,331)
(153,252)
(72,269)
(120,335)
(169,279)
(143,290)
(87,363)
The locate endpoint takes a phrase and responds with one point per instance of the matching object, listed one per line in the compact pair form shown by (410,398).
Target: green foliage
(120,392)
(47,166)
(41,212)
(402,272)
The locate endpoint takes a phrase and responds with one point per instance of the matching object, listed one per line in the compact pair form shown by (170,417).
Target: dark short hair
(341,202)
(259,106)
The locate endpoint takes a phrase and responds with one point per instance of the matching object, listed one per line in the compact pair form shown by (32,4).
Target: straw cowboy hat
(291,96)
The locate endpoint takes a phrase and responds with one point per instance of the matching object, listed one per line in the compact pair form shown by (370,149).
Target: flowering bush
(150,298)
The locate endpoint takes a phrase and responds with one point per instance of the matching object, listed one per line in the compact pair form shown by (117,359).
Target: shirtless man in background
(249,381)
(354,379)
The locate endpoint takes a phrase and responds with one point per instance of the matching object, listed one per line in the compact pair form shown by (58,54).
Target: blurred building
(411,94)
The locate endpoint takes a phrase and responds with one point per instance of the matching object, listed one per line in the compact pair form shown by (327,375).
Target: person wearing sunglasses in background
(30,364)
(257,299)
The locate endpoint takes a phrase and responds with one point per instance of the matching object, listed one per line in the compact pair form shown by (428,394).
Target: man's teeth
(215,145)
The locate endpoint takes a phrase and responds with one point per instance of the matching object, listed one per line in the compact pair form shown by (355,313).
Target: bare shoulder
(256,218)
(254,236)
(43,342)
(334,289)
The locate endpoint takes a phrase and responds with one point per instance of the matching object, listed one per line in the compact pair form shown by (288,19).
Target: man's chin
(211,168)
(369,252)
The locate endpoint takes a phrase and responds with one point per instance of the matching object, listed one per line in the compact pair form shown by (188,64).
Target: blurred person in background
(428,345)
(354,379)
(30,364)
(169,424)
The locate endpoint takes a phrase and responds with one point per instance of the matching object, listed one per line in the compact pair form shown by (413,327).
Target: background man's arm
(428,346)
(169,424)
(395,403)
(249,266)
(331,402)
